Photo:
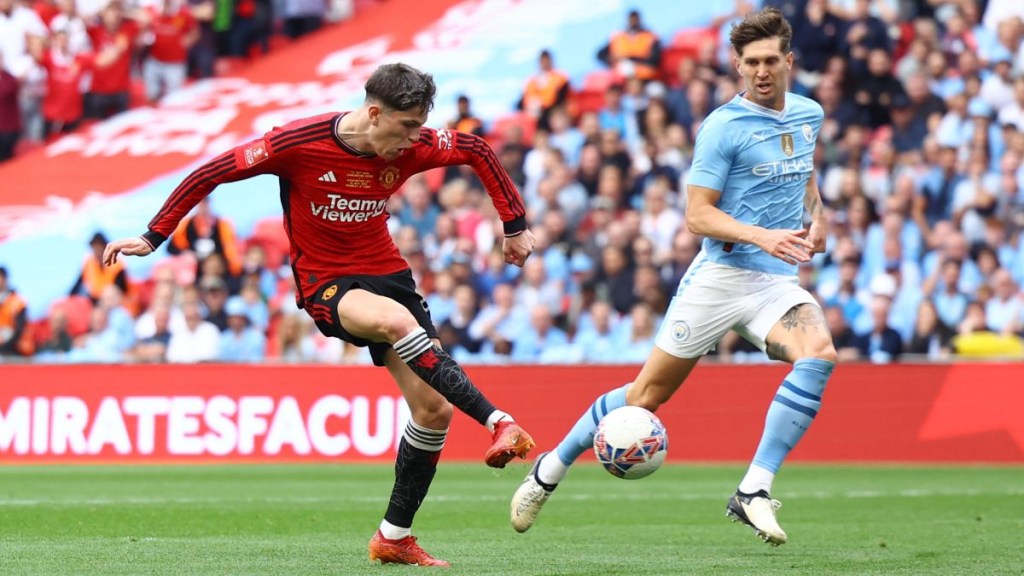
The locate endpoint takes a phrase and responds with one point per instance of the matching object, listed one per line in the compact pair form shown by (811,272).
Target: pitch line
(607,497)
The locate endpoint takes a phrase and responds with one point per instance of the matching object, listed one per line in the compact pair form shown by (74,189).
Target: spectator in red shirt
(10,112)
(62,105)
(114,37)
(174,31)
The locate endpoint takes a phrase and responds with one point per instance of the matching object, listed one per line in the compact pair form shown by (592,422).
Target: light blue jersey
(760,160)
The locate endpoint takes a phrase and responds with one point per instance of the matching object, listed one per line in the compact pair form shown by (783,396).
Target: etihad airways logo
(785,167)
(341,209)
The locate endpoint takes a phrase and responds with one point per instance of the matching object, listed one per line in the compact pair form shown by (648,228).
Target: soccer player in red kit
(337,172)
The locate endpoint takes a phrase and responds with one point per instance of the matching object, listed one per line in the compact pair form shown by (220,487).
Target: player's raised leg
(801,337)
(377,318)
(660,377)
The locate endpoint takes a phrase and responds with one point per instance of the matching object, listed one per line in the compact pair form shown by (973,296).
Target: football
(631,442)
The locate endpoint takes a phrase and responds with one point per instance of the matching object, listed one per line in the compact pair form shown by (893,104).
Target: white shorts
(714,298)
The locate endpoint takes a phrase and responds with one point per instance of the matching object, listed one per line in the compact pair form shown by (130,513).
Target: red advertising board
(900,413)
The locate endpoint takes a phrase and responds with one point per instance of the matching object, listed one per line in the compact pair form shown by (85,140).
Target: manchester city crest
(680,331)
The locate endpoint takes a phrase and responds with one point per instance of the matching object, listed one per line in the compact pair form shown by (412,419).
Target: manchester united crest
(787,144)
(330,291)
(388,177)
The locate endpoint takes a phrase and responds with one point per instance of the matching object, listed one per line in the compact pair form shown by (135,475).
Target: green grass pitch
(316,519)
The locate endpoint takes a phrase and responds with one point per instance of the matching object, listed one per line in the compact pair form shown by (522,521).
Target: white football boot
(529,498)
(757,510)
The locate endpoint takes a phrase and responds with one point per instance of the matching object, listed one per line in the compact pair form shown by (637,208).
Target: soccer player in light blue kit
(751,182)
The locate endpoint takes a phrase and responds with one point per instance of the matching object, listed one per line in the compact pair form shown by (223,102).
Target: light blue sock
(792,411)
(581,437)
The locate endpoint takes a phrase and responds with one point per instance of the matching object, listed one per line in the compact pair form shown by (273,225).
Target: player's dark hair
(767,23)
(401,87)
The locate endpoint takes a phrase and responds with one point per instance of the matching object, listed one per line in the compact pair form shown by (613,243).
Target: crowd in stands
(63,62)
(919,163)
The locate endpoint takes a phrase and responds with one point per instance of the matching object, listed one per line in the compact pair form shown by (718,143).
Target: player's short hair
(767,23)
(401,87)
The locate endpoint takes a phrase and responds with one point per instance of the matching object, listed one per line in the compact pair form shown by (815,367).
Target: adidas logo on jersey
(328,177)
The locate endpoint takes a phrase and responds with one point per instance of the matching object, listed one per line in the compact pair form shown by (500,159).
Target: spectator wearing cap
(545,91)
(240,342)
(95,276)
(908,130)
(214,294)
(634,52)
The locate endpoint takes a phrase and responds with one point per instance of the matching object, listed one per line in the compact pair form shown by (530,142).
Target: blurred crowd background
(919,162)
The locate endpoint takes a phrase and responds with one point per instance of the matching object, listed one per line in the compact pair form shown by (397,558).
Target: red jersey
(169,34)
(116,76)
(63,100)
(335,198)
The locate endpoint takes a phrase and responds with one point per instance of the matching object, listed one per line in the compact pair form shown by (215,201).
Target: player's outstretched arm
(134,246)
(518,247)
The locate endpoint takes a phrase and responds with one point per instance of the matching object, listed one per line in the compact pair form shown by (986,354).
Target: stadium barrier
(952,413)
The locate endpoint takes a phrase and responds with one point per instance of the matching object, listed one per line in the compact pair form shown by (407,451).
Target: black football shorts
(400,287)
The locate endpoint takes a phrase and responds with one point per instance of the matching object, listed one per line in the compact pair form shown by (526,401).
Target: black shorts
(400,287)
